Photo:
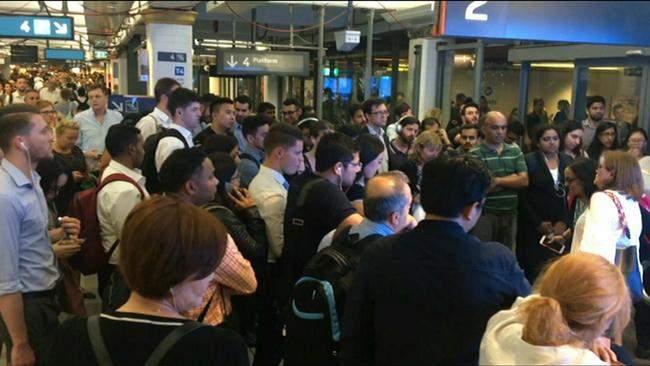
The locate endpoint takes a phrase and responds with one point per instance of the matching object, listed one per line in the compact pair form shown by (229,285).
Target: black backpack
(318,300)
(149,162)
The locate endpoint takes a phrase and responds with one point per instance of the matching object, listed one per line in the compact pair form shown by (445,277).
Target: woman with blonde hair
(613,219)
(580,299)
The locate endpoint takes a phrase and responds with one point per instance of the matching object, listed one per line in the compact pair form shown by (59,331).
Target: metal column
(579,93)
(394,89)
(447,77)
(367,75)
(478,71)
(289,79)
(524,82)
(319,70)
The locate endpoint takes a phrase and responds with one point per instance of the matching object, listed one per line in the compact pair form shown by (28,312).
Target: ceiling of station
(108,24)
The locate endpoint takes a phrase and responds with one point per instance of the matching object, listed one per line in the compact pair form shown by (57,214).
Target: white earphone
(23,146)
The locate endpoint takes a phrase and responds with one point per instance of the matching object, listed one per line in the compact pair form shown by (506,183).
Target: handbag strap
(621,213)
(97,341)
(163,347)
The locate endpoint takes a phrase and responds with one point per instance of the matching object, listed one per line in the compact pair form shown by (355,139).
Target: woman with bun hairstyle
(579,301)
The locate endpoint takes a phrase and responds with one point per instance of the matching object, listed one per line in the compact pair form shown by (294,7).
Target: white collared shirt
(268,190)
(51,96)
(115,202)
(167,145)
(151,123)
(18,98)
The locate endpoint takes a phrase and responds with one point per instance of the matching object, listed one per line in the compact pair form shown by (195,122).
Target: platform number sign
(179,71)
(472,14)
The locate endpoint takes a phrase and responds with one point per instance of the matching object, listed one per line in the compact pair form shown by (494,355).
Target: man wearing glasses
(291,111)
(316,203)
(377,114)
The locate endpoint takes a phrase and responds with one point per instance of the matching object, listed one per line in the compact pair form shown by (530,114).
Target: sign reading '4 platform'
(249,62)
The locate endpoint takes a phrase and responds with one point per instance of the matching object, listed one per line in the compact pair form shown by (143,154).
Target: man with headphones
(28,272)
(398,149)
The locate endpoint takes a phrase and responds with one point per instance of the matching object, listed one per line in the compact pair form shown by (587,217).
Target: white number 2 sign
(471,14)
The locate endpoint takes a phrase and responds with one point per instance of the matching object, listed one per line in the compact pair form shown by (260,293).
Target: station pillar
(424,75)
(169,45)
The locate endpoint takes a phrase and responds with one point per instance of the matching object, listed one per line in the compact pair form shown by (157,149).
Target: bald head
(386,194)
(495,128)
(494,116)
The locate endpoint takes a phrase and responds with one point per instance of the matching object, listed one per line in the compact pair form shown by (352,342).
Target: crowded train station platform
(324,183)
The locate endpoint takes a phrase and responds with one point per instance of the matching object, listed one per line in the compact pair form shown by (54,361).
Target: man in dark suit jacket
(424,297)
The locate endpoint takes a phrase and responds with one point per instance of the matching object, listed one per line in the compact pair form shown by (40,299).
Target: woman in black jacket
(542,206)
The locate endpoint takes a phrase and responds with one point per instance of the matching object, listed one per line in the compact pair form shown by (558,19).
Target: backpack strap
(249,157)
(119,177)
(172,132)
(306,190)
(172,338)
(97,341)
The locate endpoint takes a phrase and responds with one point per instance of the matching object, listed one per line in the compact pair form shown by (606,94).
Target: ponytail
(545,324)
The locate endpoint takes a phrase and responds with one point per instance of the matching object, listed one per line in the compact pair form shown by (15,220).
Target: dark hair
(250,124)
(318,127)
(352,131)
(219,143)
(369,147)
(218,102)
(181,98)
(50,170)
(104,89)
(292,101)
(354,108)
(179,168)
(585,171)
(244,99)
(120,137)
(265,106)
(430,121)
(378,208)
(282,135)
(165,242)
(370,103)
(472,127)
(18,108)
(224,168)
(401,108)
(540,131)
(409,120)
(569,126)
(637,130)
(334,148)
(451,184)
(595,99)
(467,105)
(596,148)
(164,86)
(617,106)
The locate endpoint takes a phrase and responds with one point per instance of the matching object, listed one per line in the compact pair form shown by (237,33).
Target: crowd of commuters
(210,217)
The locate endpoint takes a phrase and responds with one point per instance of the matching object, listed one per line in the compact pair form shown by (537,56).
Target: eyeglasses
(381,113)
(354,165)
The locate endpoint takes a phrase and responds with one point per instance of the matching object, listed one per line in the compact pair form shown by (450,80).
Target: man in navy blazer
(424,297)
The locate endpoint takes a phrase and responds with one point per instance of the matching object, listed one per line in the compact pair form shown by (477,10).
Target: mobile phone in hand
(548,242)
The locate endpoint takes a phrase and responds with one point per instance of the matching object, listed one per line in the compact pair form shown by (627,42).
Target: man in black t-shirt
(316,203)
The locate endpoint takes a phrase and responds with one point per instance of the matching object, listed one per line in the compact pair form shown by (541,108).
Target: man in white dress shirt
(185,106)
(160,117)
(283,148)
(114,203)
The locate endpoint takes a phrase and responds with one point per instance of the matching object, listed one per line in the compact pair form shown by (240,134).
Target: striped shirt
(511,161)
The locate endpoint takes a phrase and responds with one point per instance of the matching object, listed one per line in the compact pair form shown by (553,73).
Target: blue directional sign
(179,71)
(22,26)
(599,22)
(172,56)
(64,54)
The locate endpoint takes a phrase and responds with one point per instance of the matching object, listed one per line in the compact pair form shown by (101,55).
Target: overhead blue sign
(599,22)
(64,54)
(131,103)
(22,26)
(172,56)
